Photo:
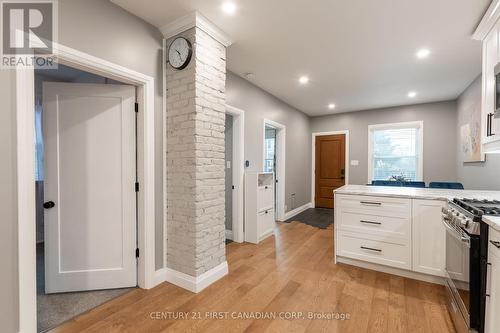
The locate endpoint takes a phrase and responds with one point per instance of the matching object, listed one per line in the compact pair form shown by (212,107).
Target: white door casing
(280,165)
(90,163)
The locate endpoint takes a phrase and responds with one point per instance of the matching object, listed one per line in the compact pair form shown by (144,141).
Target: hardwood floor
(291,273)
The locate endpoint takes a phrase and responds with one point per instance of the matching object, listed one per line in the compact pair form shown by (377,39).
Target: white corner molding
(159,277)
(488,21)
(195,19)
(298,210)
(196,284)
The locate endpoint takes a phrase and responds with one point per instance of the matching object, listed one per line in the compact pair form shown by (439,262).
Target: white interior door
(90,175)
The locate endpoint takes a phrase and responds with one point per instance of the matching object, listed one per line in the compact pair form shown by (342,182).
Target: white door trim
(281,160)
(26,166)
(313,160)
(238,166)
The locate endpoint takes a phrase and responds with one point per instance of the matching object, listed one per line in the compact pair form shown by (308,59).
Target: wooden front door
(330,168)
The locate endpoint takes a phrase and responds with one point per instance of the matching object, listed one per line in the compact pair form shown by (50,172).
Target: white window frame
(420,138)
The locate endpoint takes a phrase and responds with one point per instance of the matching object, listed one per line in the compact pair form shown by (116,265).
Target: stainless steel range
(466,259)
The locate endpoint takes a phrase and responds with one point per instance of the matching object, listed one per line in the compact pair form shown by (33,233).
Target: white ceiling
(358,54)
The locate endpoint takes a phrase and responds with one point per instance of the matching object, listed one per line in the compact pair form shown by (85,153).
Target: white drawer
(367,248)
(380,206)
(398,229)
(266,223)
(265,198)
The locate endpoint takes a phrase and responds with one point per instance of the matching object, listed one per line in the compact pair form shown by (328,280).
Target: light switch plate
(228,164)
(354,162)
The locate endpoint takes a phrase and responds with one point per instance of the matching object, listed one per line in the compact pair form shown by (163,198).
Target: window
(395,151)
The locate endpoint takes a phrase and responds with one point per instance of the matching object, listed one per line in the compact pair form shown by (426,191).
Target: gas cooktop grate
(479,207)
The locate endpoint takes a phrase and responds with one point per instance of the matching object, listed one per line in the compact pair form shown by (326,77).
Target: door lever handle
(49,204)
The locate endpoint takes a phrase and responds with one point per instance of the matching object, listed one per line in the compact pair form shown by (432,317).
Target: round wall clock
(180,52)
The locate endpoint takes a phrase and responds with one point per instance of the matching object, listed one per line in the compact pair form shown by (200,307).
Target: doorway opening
(329,166)
(274,156)
(86,203)
(234,173)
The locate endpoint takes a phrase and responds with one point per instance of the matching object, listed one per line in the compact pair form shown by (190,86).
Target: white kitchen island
(397,230)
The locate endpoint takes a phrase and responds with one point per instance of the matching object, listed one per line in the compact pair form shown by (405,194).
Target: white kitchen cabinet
(492,320)
(374,229)
(398,233)
(259,206)
(429,237)
(491,57)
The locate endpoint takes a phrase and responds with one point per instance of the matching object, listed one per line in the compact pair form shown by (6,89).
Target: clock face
(179,53)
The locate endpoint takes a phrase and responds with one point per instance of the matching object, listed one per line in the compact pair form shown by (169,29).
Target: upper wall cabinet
(488,31)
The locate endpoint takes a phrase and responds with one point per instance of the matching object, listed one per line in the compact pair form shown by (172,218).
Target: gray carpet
(317,217)
(54,309)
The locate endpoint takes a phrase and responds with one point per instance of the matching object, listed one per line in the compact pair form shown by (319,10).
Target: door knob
(49,204)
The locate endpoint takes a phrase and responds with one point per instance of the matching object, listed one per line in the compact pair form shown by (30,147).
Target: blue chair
(451,186)
(414,184)
(386,183)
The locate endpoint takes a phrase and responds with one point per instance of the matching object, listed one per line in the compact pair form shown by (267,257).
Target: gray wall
(102,29)
(8,210)
(259,105)
(481,176)
(439,136)
(229,172)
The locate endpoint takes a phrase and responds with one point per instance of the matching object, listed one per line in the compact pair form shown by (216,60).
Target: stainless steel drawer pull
(370,203)
(370,249)
(370,222)
(495,244)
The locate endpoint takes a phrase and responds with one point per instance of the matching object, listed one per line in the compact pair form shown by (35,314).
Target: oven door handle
(464,239)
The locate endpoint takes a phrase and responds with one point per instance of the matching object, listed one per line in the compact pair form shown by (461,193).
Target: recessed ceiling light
(331,106)
(303,80)
(423,53)
(229,8)
(412,94)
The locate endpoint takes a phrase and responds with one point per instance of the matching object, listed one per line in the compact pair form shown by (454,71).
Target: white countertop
(417,193)
(492,221)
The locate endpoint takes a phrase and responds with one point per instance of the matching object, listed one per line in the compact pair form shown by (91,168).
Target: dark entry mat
(317,217)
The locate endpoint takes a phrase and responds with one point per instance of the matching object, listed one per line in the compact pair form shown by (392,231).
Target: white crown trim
(195,19)
(488,21)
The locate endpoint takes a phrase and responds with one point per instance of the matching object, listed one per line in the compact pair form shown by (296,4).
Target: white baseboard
(267,234)
(229,234)
(391,270)
(159,277)
(298,210)
(196,284)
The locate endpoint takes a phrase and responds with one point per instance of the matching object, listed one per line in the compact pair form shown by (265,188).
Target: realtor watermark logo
(29,31)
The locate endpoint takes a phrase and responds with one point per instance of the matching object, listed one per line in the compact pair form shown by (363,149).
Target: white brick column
(195,164)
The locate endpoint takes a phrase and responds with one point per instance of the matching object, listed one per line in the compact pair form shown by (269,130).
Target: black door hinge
(137,253)
(233,187)
(136,107)
(137,186)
